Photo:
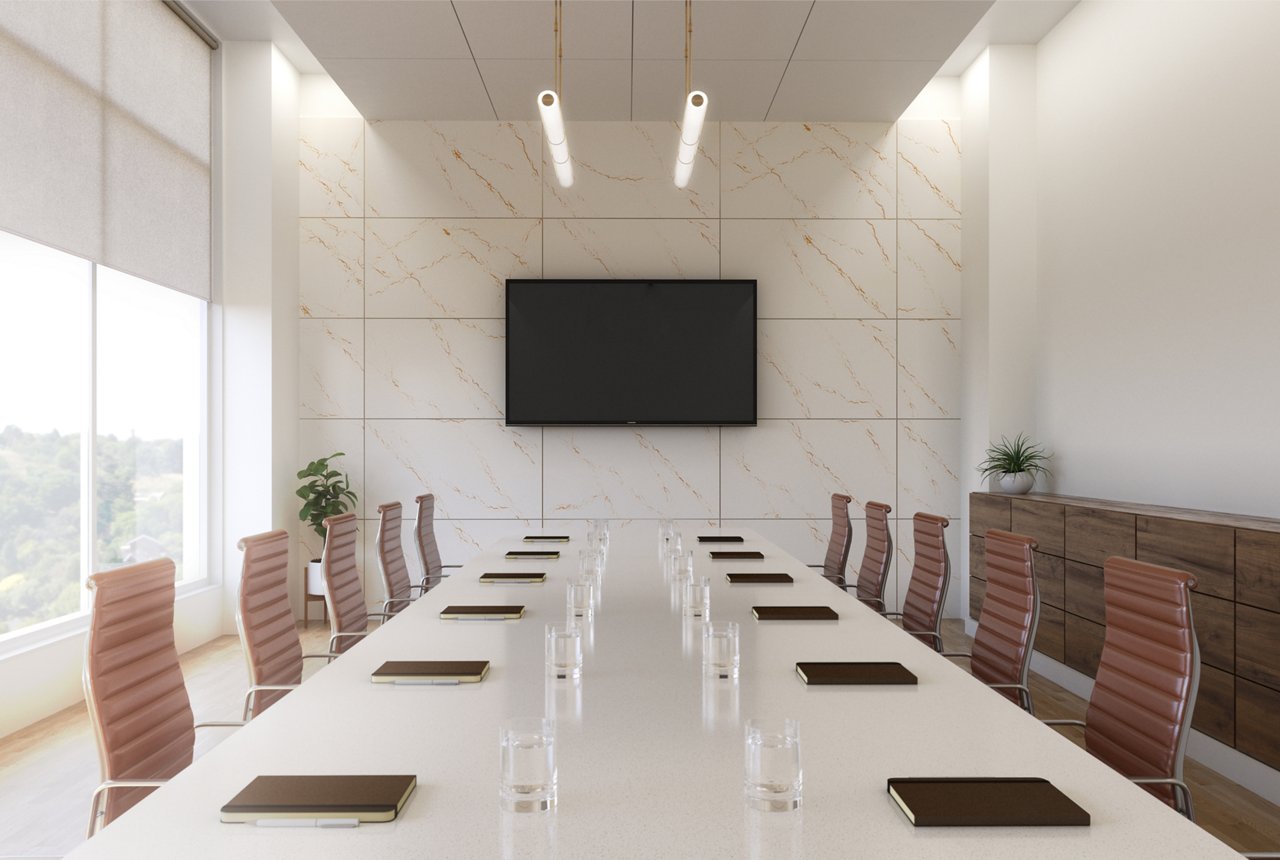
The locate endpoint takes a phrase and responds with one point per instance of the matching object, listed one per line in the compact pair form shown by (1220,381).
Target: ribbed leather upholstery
(132,681)
(837,559)
(391,562)
(1140,709)
(265,619)
(873,573)
(344,592)
(922,610)
(425,532)
(1010,612)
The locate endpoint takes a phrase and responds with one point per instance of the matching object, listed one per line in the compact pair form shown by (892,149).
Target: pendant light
(553,118)
(695,108)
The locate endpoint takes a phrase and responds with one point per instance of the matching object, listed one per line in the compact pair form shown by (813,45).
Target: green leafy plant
(326,493)
(1009,458)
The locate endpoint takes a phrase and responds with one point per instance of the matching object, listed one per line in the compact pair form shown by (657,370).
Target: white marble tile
(330,267)
(443,368)
(928,468)
(320,437)
(826,369)
(790,468)
(448,267)
(478,469)
(627,170)
(929,269)
(808,170)
(453,169)
(928,369)
(904,551)
(331,167)
(929,168)
(330,368)
(623,472)
(807,268)
(631,248)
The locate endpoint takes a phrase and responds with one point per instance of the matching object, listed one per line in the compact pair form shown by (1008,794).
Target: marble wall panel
(331,167)
(461,540)
(331,368)
(477,469)
(904,550)
(454,169)
(790,469)
(631,248)
(928,369)
(625,472)
(928,168)
(321,437)
(330,267)
(928,452)
(435,368)
(806,268)
(442,267)
(627,170)
(806,540)
(808,170)
(929,269)
(826,369)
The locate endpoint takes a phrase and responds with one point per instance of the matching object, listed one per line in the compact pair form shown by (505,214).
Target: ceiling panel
(412,89)
(722,29)
(888,29)
(828,91)
(524,29)
(737,90)
(593,89)
(386,29)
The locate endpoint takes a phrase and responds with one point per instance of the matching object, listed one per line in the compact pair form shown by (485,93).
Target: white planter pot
(1015,484)
(315,577)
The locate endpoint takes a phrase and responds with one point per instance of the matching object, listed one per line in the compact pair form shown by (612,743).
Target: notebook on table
(736,555)
(366,798)
(492,577)
(546,538)
(427,671)
(720,539)
(540,554)
(795,613)
(758,578)
(482,612)
(827,673)
(986,802)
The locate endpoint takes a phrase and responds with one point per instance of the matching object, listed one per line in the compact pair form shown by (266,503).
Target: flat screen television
(631,352)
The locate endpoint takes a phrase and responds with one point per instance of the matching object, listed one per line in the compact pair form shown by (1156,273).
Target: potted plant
(325,493)
(1014,465)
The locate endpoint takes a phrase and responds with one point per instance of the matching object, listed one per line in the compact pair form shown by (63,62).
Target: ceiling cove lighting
(695,108)
(553,119)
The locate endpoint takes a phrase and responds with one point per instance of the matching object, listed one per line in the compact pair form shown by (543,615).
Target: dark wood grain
(1049,635)
(1206,551)
(1050,574)
(1256,709)
(977,592)
(1258,569)
(977,557)
(1045,522)
(1215,621)
(1215,710)
(988,511)
(1258,648)
(1083,583)
(1092,535)
(1083,644)
(1235,521)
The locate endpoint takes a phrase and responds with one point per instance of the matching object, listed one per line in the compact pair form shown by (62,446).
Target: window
(102,417)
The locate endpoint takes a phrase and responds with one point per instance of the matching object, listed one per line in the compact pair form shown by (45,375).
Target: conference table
(650,752)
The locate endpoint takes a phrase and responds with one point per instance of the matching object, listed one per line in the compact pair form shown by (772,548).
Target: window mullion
(88,449)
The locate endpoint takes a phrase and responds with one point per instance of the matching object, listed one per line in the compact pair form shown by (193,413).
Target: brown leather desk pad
(736,555)
(720,539)
(759,578)
(824,673)
(546,538)
(486,611)
(366,797)
(462,671)
(500,577)
(986,802)
(542,554)
(795,613)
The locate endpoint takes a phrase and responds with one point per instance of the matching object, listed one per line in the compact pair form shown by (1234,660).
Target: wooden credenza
(1236,603)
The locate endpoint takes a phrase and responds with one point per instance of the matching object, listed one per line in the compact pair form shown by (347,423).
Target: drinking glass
(720,655)
(697,597)
(580,599)
(588,563)
(774,777)
(527,782)
(564,651)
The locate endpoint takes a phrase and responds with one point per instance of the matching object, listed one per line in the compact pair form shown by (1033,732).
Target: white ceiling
(821,60)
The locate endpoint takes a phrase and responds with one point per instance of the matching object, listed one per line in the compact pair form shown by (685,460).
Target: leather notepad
(428,671)
(735,555)
(822,674)
(794,613)
(546,538)
(483,613)
(758,578)
(367,798)
(986,802)
(525,554)
(520,578)
(719,539)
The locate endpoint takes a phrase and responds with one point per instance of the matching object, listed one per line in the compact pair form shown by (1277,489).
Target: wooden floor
(49,770)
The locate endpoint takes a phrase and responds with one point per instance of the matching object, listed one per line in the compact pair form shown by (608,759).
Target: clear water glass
(564,651)
(720,654)
(697,597)
(581,598)
(588,563)
(774,777)
(527,782)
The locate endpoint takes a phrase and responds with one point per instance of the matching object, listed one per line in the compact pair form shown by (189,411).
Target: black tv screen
(631,352)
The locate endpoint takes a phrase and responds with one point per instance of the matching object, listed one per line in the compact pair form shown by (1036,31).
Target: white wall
(1159,209)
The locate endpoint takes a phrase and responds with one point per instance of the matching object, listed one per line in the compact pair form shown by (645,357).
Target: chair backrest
(1010,613)
(837,559)
(343,590)
(133,685)
(424,530)
(930,575)
(1140,710)
(264,617)
(391,562)
(873,573)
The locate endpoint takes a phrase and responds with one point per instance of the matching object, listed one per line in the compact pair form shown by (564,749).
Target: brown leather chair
(343,589)
(134,689)
(265,621)
(833,566)
(424,531)
(927,592)
(1001,655)
(1139,713)
(391,562)
(873,573)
